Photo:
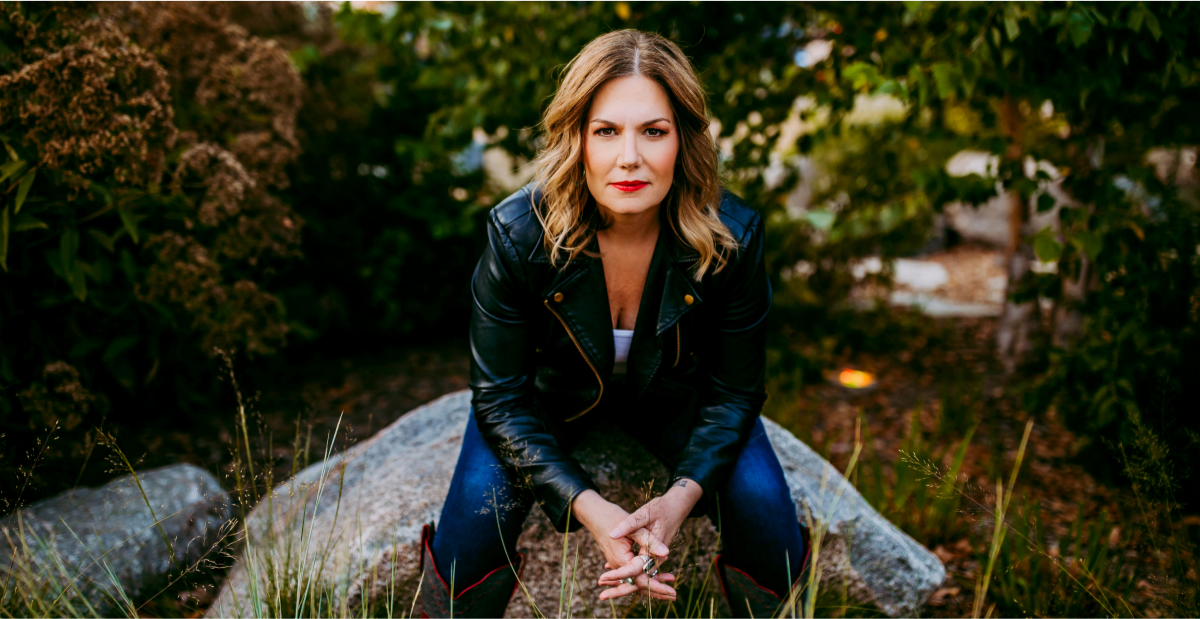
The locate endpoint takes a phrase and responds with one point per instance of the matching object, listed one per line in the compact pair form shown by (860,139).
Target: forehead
(633,98)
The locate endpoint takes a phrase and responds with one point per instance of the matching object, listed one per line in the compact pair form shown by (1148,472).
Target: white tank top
(621,341)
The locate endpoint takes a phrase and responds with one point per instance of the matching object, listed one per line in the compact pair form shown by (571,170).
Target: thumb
(632,522)
(651,543)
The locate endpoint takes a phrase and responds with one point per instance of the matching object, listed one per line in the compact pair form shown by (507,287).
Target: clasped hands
(652,526)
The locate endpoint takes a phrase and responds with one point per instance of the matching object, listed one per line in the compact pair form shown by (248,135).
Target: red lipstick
(630,185)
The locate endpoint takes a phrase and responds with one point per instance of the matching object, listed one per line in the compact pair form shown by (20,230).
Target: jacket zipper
(585,358)
(678,343)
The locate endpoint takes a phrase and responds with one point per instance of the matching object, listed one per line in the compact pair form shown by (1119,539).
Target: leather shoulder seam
(506,238)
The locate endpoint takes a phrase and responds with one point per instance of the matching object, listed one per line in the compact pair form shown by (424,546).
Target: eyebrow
(645,124)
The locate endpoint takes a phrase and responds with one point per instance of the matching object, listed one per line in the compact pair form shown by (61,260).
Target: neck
(630,228)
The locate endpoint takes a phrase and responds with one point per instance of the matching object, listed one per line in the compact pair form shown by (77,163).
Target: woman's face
(629,145)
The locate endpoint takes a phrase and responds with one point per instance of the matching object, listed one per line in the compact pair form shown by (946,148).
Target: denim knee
(760,529)
(483,514)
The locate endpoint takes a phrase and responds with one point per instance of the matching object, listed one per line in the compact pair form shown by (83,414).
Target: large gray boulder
(101,544)
(356,518)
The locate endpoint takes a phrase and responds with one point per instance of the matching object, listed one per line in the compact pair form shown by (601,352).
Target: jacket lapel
(584,309)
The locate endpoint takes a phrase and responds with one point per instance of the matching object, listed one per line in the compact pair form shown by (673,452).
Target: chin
(627,204)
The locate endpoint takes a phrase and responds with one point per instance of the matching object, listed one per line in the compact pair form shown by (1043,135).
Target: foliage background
(263,177)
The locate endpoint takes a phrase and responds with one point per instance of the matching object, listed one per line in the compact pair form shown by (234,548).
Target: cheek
(593,157)
(662,159)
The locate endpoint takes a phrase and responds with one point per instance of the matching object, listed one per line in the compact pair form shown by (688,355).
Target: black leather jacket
(542,350)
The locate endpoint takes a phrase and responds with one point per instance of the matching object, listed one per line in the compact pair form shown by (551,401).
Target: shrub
(145,147)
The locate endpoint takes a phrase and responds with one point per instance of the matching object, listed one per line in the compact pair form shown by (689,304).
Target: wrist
(686,489)
(586,506)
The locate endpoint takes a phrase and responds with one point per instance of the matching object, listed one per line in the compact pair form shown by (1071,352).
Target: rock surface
(94,530)
(365,544)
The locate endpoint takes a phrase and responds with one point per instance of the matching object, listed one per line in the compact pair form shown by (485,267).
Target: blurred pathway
(965,281)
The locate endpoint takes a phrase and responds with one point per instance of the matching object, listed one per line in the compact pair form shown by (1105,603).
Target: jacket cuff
(556,499)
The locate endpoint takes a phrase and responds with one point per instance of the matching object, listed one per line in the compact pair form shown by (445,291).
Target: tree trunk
(1018,321)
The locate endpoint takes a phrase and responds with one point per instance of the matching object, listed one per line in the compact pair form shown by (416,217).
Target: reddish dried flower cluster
(60,398)
(186,275)
(93,106)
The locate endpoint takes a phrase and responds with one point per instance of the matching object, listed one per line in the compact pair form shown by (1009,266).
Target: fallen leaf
(939,596)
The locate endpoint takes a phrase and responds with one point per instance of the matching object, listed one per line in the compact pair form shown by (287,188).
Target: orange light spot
(855,379)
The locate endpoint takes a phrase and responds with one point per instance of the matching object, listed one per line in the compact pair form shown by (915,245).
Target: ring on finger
(648,563)
(628,581)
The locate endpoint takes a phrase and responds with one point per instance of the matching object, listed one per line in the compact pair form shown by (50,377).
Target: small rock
(107,532)
(920,274)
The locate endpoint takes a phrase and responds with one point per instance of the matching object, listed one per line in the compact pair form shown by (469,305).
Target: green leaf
(23,189)
(946,77)
(1011,27)
(130,222)
(78,282)
(102,239)
(1045,202)
(1152,24)
(68,248)
(1046,248)
(862,74)
(28,222)
(12,168)
(820,219)
(105,241)
(85,347)
(1088,242)
(12,152)
(1135,17)
(128,266)
(55,262)
(118,346)
(1079,25)
(917,81)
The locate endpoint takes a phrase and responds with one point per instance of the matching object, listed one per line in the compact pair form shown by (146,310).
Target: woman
(623,286)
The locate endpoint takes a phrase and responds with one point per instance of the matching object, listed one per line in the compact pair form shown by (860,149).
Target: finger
(651,543)
(633,568)
(665,577)
(633,522)
(654,586)
(620,591)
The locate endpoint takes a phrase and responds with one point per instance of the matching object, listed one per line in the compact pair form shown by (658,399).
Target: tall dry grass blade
(528,596)
(1002,504)
(819,528)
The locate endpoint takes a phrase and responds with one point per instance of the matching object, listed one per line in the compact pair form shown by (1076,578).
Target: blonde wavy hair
(568,212)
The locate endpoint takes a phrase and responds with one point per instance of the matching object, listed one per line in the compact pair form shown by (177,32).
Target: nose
(630,157)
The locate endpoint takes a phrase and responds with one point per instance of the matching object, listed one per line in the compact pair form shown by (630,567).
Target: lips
(629,185)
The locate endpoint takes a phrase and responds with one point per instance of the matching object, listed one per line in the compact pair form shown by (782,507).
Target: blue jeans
(757,518)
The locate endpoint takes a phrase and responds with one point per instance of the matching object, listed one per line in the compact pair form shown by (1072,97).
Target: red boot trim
(748,577)
(427,535)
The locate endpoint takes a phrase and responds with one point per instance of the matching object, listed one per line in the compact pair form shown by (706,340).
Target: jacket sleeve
(733,368)
(502,382)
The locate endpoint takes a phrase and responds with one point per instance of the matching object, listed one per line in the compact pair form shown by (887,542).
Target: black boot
(747,598)
(487,598)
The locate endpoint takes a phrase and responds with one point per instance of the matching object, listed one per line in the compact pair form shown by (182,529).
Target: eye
(605,132)
(657,133)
